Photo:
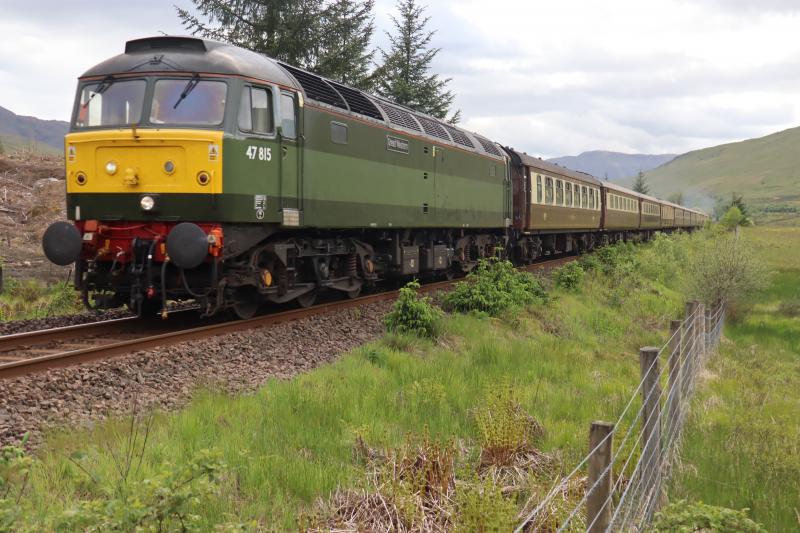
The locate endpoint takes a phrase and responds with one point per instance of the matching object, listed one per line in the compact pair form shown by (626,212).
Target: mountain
(613,165)
(18,132)
(765,171)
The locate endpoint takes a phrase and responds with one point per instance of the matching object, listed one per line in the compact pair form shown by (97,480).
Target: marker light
(169,167)
(111,168)
(147,203)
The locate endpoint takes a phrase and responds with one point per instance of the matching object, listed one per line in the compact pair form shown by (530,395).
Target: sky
(548,78)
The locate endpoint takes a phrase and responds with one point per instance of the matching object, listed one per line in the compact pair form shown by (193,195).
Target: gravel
(36,324)
(165,379)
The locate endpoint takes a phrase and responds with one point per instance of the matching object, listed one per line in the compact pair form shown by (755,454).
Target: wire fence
(629,461)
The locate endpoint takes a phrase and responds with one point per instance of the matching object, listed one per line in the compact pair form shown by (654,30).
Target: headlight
(111,168)
(147,203)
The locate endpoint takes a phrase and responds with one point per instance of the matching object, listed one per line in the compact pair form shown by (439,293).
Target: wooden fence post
(701,330)
(675,395)
(709,327)
(690,335)
(598,503)
(651,417)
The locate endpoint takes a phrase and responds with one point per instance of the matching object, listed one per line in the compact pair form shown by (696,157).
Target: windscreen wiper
(186,90)
(103,87)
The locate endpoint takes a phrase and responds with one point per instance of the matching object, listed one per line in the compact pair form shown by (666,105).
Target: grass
(742,446)
(569,361)
(31,298)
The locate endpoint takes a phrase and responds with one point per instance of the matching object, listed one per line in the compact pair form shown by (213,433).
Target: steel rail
(92,353)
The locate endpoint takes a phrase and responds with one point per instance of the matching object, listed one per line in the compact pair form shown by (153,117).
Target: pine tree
(404,75)
(329,38)
(343,49)
(640,184)
(284,29)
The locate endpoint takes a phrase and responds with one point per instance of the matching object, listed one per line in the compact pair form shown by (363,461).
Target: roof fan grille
(315,87)
(400,117)
(358,102)
(432,127)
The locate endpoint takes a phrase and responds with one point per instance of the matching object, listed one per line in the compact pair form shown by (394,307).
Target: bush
(725,269)
(504,428)
(482,507)
(493,287)
(413,314)
(682,516)
(569,276)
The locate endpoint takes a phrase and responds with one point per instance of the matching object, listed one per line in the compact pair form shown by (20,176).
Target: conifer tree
(343,48)
(640,184)
(404,74)
(329,38)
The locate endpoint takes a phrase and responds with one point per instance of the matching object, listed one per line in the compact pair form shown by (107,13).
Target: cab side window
(288,120)
(255,110)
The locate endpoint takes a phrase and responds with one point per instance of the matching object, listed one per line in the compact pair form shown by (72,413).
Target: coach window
(288,120)
(559,192)
(548,190)
(539,188)
(255,114)
(591,198)
(568,194)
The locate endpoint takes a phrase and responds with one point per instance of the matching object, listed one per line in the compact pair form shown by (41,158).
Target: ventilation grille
(358,102)
(459,136)
(488,145)
(432,127)
(400,117)
(316,88)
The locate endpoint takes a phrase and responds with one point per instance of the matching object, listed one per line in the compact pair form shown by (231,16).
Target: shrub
(725,269)
(413,314)
(589,262)
(682,516)
(482,507)
(504,428)
(569,276)
(493,287)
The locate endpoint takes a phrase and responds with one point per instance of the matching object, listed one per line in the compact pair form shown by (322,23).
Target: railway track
(38,351)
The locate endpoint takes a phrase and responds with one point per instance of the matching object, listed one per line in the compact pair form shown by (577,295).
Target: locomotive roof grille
(165,43)
(488,145)
(432,127)
(459,136)
(358,102)
(315,87)
(400,117)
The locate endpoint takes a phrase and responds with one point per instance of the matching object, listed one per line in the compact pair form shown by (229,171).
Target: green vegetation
(682,516)
(742,445)
(569,277)
(494,287)
(465,430)
(413,314)
(30,298)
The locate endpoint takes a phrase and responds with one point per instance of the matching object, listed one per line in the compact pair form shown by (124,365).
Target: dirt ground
(32,195)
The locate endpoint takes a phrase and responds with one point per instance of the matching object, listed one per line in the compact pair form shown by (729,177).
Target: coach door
(288,134)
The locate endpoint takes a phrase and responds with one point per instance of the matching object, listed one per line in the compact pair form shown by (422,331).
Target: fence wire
(646,441)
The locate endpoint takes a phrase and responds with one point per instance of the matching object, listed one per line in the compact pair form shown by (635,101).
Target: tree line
(333,39)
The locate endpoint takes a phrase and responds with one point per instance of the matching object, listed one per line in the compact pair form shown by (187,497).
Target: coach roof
(190,54)
(552,168)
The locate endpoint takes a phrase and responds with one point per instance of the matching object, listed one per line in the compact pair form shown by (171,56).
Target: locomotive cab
(146,160)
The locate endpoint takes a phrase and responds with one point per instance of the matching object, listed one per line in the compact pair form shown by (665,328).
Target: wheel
(244,309)
(307,299)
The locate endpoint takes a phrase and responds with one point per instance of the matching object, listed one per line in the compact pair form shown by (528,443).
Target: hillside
(30,133)
(766,171)
(612,165)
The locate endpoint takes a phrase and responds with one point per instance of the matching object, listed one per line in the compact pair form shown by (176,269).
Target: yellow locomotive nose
(130,177)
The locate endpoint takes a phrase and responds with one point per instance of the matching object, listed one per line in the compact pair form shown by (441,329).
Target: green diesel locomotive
(200,170)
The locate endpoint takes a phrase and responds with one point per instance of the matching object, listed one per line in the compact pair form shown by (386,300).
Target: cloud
(550,78)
